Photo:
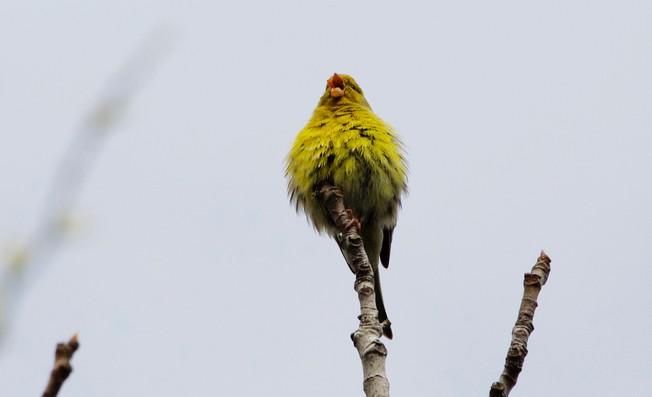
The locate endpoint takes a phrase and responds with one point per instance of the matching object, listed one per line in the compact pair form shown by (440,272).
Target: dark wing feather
(387,246)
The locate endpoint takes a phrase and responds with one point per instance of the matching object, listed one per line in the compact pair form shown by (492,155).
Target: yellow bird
(345,144)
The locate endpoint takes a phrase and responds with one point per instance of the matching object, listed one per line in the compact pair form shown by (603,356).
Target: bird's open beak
(336,86)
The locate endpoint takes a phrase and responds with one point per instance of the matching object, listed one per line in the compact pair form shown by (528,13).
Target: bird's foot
(353,223)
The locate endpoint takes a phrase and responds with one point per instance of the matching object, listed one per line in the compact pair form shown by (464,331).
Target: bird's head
(342,89)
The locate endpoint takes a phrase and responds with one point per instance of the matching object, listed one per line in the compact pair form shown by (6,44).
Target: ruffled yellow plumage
(345,144)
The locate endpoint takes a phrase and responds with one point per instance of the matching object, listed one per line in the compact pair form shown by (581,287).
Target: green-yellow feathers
(347,145)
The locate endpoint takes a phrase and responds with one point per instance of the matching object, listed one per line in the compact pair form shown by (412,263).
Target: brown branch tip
(532,284)
(62,368)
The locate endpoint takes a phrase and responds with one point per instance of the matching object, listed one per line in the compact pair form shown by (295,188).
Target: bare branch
(366,338)
(62,368)
(532,284)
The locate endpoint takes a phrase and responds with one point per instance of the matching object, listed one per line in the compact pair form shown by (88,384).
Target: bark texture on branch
(532,284)
(62,368)
(366,338)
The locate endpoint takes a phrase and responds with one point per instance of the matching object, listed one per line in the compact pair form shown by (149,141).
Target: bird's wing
(387,246)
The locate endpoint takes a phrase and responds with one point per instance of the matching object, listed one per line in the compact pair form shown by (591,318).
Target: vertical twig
(62,368)
(366,338)
(532,284)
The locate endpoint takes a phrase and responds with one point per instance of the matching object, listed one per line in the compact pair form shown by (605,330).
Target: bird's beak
(336,86)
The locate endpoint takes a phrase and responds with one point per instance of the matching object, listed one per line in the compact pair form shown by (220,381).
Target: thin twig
(532,284)
(366,338)
(62,368)
(73,171)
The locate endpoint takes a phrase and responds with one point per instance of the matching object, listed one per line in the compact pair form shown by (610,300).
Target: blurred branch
(532,284)
(73,171)
(62,368)
(366,338)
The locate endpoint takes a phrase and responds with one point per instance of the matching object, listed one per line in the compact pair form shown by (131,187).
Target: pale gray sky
(527,126)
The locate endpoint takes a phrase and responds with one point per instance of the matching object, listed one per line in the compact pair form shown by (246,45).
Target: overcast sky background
(527,126)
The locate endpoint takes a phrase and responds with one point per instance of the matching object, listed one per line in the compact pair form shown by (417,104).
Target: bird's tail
(380,305)
(372,244)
